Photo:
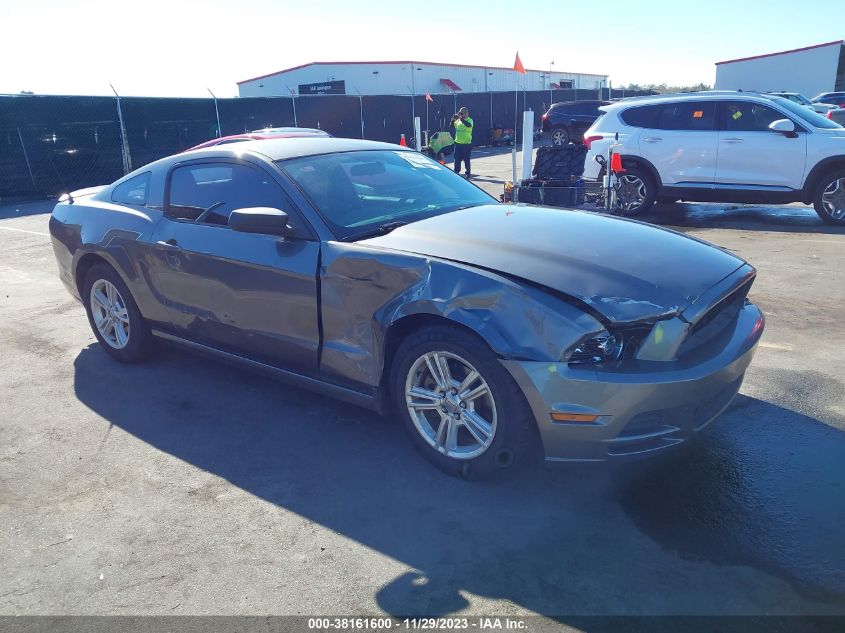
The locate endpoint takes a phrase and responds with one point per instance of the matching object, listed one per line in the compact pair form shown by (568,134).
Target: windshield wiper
(380,229)
(387,227)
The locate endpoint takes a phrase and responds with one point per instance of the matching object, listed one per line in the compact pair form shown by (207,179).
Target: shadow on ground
(11,210)
(761,493)
(788,218)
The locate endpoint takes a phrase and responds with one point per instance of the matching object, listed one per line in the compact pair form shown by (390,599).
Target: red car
(257,135)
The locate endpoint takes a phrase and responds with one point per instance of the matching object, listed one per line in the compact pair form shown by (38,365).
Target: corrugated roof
(534,70)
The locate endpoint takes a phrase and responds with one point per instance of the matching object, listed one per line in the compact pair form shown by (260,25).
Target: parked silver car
(373,274)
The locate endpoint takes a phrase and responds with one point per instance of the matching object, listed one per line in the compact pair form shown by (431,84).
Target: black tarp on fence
(51,144)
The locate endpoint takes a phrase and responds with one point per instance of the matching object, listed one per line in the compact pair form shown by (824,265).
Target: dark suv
(567,121)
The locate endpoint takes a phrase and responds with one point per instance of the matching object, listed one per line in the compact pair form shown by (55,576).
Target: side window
(643,116)
(133,191)
(688,115)
(207,193)
(744,116)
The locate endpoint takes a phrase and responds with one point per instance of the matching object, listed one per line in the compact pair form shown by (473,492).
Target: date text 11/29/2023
(421,624)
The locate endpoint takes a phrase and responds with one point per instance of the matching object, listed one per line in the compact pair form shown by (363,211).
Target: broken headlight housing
(609,347)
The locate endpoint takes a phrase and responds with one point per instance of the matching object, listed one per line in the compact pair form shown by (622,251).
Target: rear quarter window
(642,116)
(133,191)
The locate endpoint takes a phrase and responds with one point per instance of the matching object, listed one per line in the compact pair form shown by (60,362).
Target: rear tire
(114,316)
(559,136)
(829,200)
(472,428)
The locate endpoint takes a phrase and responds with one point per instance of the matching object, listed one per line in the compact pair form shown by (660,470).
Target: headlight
(604,348)
(609,347)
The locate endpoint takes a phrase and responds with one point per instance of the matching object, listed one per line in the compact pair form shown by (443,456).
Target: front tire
(829,200)
(114,316)
(636,192)
(459,406)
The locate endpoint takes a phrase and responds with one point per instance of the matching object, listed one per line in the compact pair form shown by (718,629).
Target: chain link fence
(52,144)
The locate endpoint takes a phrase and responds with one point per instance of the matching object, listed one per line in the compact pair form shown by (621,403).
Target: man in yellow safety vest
(463,140)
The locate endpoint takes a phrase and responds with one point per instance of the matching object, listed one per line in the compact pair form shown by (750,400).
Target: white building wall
(397,78)
(809,72)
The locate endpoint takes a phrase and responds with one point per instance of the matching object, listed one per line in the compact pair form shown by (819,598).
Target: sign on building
(324,88)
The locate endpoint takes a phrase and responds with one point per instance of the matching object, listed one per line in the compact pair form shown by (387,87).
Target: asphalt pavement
(184,486)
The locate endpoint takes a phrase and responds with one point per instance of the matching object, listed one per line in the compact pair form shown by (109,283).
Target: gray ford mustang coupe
(373,274)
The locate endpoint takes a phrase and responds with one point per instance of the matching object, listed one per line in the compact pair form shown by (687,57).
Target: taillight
(588,140)
(830,114)
(545,116)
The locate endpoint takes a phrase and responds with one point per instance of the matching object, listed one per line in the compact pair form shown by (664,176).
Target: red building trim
(794,50)
(451,85)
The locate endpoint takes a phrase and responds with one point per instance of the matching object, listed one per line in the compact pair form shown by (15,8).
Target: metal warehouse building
(408,78)
(810,70)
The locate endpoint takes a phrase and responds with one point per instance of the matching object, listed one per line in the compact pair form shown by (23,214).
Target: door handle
(170,246)
(732,140)
(652,139)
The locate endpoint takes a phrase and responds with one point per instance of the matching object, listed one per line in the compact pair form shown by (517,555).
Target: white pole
(417,132)
(527,143)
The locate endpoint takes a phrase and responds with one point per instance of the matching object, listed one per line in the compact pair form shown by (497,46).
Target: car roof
(267,149)
(283,130)
(704,95)
(568,103)
(251,136)
(282,148)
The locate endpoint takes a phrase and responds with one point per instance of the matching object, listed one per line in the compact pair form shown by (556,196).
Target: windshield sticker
(418,160)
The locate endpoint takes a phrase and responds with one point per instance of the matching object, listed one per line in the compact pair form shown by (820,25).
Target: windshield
(806,114)
(363,193)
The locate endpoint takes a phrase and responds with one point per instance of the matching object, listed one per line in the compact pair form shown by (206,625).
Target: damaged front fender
(364,291)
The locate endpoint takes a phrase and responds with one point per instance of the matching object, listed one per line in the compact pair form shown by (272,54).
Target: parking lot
(183,486)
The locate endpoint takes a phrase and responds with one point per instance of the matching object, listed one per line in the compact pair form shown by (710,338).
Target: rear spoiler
(80,193)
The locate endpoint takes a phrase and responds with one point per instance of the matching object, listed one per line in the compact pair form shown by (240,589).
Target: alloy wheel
(559,137)
(833,199)
(451,405)
(631,192)
(110,314)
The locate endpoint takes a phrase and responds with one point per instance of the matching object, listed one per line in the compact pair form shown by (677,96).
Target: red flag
(517,65)
(428,97)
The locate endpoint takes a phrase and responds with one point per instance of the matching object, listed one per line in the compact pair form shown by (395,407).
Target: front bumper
(648,408)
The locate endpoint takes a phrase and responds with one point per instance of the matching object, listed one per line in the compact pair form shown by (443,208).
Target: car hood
(625,270)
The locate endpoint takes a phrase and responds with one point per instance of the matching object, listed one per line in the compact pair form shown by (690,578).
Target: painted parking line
(9,228)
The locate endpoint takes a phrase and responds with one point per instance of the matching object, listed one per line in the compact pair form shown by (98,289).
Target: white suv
(722,147)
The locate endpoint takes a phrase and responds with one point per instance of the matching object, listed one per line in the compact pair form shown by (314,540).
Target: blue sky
(182,47)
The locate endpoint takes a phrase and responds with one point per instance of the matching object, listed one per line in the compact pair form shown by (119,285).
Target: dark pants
(462,151)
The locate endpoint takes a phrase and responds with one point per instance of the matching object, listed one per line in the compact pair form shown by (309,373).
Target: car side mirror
(265,220)
(783,126)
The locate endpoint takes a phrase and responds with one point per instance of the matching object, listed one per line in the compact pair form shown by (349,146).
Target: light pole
(551,98)
(216,112)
